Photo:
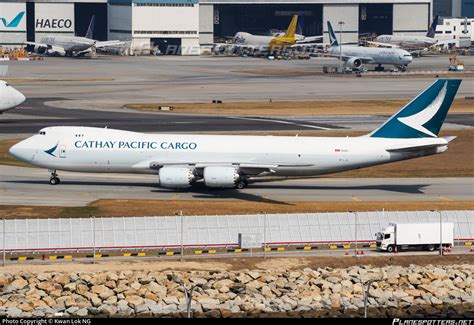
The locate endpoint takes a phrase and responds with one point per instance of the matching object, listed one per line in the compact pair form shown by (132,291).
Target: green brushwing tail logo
(52,150)
(14,22)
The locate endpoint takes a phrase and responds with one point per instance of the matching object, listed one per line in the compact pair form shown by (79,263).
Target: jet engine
(218,176)
(36,49)
(354,63)
(176,177)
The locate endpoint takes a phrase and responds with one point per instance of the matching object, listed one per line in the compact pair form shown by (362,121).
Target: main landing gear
(241,184)
(54,179)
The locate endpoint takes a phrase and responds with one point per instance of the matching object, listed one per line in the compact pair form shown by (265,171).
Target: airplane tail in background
(432,30)
(90,29)
(332,36)
(424,115)
(290,32)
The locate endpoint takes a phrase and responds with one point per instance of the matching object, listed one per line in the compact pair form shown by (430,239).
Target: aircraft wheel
(242,184)
(54,180)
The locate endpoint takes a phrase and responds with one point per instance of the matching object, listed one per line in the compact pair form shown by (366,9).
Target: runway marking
(281,122)
(444,198)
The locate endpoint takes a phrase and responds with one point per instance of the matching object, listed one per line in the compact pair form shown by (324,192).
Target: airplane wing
(310,39)
(47,47)
(250,168)
(393,46)
(103,44)
(364,60)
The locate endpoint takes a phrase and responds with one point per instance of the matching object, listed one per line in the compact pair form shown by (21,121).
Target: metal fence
(77,234)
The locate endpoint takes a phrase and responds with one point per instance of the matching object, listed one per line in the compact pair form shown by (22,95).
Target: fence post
(4,241)
(265,235)
(93,236)
(182,239)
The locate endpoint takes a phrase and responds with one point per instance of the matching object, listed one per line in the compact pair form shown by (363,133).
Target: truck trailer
(423,236)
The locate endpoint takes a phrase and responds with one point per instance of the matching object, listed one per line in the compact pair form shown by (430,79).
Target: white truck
(425,236)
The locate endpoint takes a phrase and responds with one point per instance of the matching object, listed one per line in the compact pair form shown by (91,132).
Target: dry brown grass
(319,72)
(113,208)
(298,108)
(241,263)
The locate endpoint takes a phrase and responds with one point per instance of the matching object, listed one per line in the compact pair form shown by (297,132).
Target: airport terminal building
(189,24)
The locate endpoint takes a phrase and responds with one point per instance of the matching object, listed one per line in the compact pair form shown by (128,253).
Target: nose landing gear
(54,179)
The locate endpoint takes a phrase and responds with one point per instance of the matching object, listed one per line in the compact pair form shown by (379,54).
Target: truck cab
(385,239)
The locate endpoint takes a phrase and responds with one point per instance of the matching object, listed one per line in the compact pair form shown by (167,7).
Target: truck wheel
(390,249)
(431,248)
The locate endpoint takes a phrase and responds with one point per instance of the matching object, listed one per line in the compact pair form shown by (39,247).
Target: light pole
(188,295)
(355,229)
(366,294)
(340,44)
(4,241)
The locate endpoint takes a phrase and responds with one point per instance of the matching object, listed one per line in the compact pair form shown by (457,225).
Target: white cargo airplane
(9,97)
(228,161)
(409,42)
(268,43)
(65,45)
(355,56)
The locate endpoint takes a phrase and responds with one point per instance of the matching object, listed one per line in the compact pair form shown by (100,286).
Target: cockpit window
(42,132)
(7,84)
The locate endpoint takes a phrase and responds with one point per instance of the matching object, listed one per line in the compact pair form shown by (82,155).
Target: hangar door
(375,19)
(261,19)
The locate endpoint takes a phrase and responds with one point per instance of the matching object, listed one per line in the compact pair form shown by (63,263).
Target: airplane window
(7,84)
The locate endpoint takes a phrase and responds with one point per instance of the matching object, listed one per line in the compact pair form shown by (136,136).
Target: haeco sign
(51,17)
(53,23)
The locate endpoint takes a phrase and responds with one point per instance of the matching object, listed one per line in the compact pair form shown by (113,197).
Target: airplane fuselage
(396,57)
(407,41)
(86,149)
(69,43)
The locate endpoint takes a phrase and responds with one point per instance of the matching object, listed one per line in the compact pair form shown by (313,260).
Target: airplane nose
(15,150)
(20,151)
(19,98)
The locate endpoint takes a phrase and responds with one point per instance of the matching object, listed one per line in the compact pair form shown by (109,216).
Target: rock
(254,274)
(198,281)
(108,310)
(225,283)
(436,301)
(400,294)
(62,279)
(83,312)
(13,312)
(135,285)
(171,300)
(134,300)
(16,285)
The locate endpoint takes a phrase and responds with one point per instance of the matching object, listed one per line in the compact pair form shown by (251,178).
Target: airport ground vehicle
(425,236)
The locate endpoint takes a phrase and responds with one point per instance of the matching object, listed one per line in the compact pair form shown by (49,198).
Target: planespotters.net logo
(398,321)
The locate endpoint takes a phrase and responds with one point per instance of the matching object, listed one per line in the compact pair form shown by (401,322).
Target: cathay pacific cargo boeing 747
(228,161)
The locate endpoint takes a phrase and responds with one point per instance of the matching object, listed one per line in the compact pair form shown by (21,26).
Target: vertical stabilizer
(332,36)
(290,32)
(432,30)
(90,29)
(424,115)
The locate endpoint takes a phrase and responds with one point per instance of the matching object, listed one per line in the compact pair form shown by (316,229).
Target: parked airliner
(9,97)
(409,42)
(73,46)
(355,56)
(228,161)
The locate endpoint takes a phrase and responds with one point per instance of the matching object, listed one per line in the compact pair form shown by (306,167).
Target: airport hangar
(189,24)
